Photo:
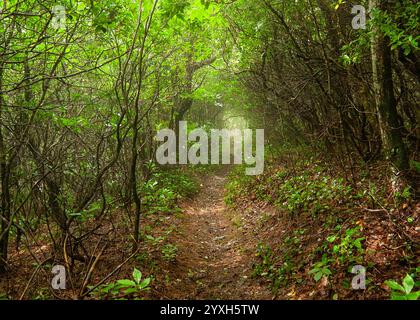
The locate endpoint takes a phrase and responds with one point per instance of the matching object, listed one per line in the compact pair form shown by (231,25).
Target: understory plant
(124,288)
(403,291)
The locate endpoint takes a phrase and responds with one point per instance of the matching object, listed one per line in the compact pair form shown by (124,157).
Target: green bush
(404,291)
(124,288)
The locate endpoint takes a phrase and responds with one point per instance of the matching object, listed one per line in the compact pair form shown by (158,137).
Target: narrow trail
(215,256)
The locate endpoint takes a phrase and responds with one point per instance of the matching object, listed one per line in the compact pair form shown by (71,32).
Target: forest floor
(216,250)
(215,253)
(249,248)
(230,241)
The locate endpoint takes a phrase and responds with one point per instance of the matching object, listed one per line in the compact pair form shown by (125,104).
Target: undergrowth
(327,214)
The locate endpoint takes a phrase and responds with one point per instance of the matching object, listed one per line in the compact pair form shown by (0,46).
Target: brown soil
(215,253)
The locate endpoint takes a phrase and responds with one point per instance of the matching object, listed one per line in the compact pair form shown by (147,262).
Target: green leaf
(408,283)
(326,271)
(358,244)
(331,238)
(137,275)
(126,283)
(130,290)
(313,270)
(415,165)
(394,285)
(413,295)
(398,296)
(318,276)
(145,283)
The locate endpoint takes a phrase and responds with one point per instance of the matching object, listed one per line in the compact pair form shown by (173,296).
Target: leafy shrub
(321,268)
(348,248)
(404,291)
(310,192)
(304,189)
(162,192)
(341,249)
(237,185)
(124,288)
(169,252)
(268,268)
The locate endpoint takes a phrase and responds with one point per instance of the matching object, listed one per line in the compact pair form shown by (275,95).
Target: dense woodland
(86,85)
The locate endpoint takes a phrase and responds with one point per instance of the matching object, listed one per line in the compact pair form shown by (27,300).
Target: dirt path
(215,256)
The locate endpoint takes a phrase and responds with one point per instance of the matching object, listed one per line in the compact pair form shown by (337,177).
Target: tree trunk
(386,104)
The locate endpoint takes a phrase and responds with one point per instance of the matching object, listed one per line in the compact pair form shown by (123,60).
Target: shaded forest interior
(86,85)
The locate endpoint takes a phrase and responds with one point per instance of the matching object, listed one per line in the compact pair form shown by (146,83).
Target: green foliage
(162,192)
(236,185)
(404,291)
(347,249)
(415,165)
(87,214)
(277,273)
(321,269)
(341,249)
(68,100)
(42,293)
(403,196)
(353,52)
(266,266)
(401,26)
(169,252)
(307,192)
(3,296)
(124,288)
(154,241)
